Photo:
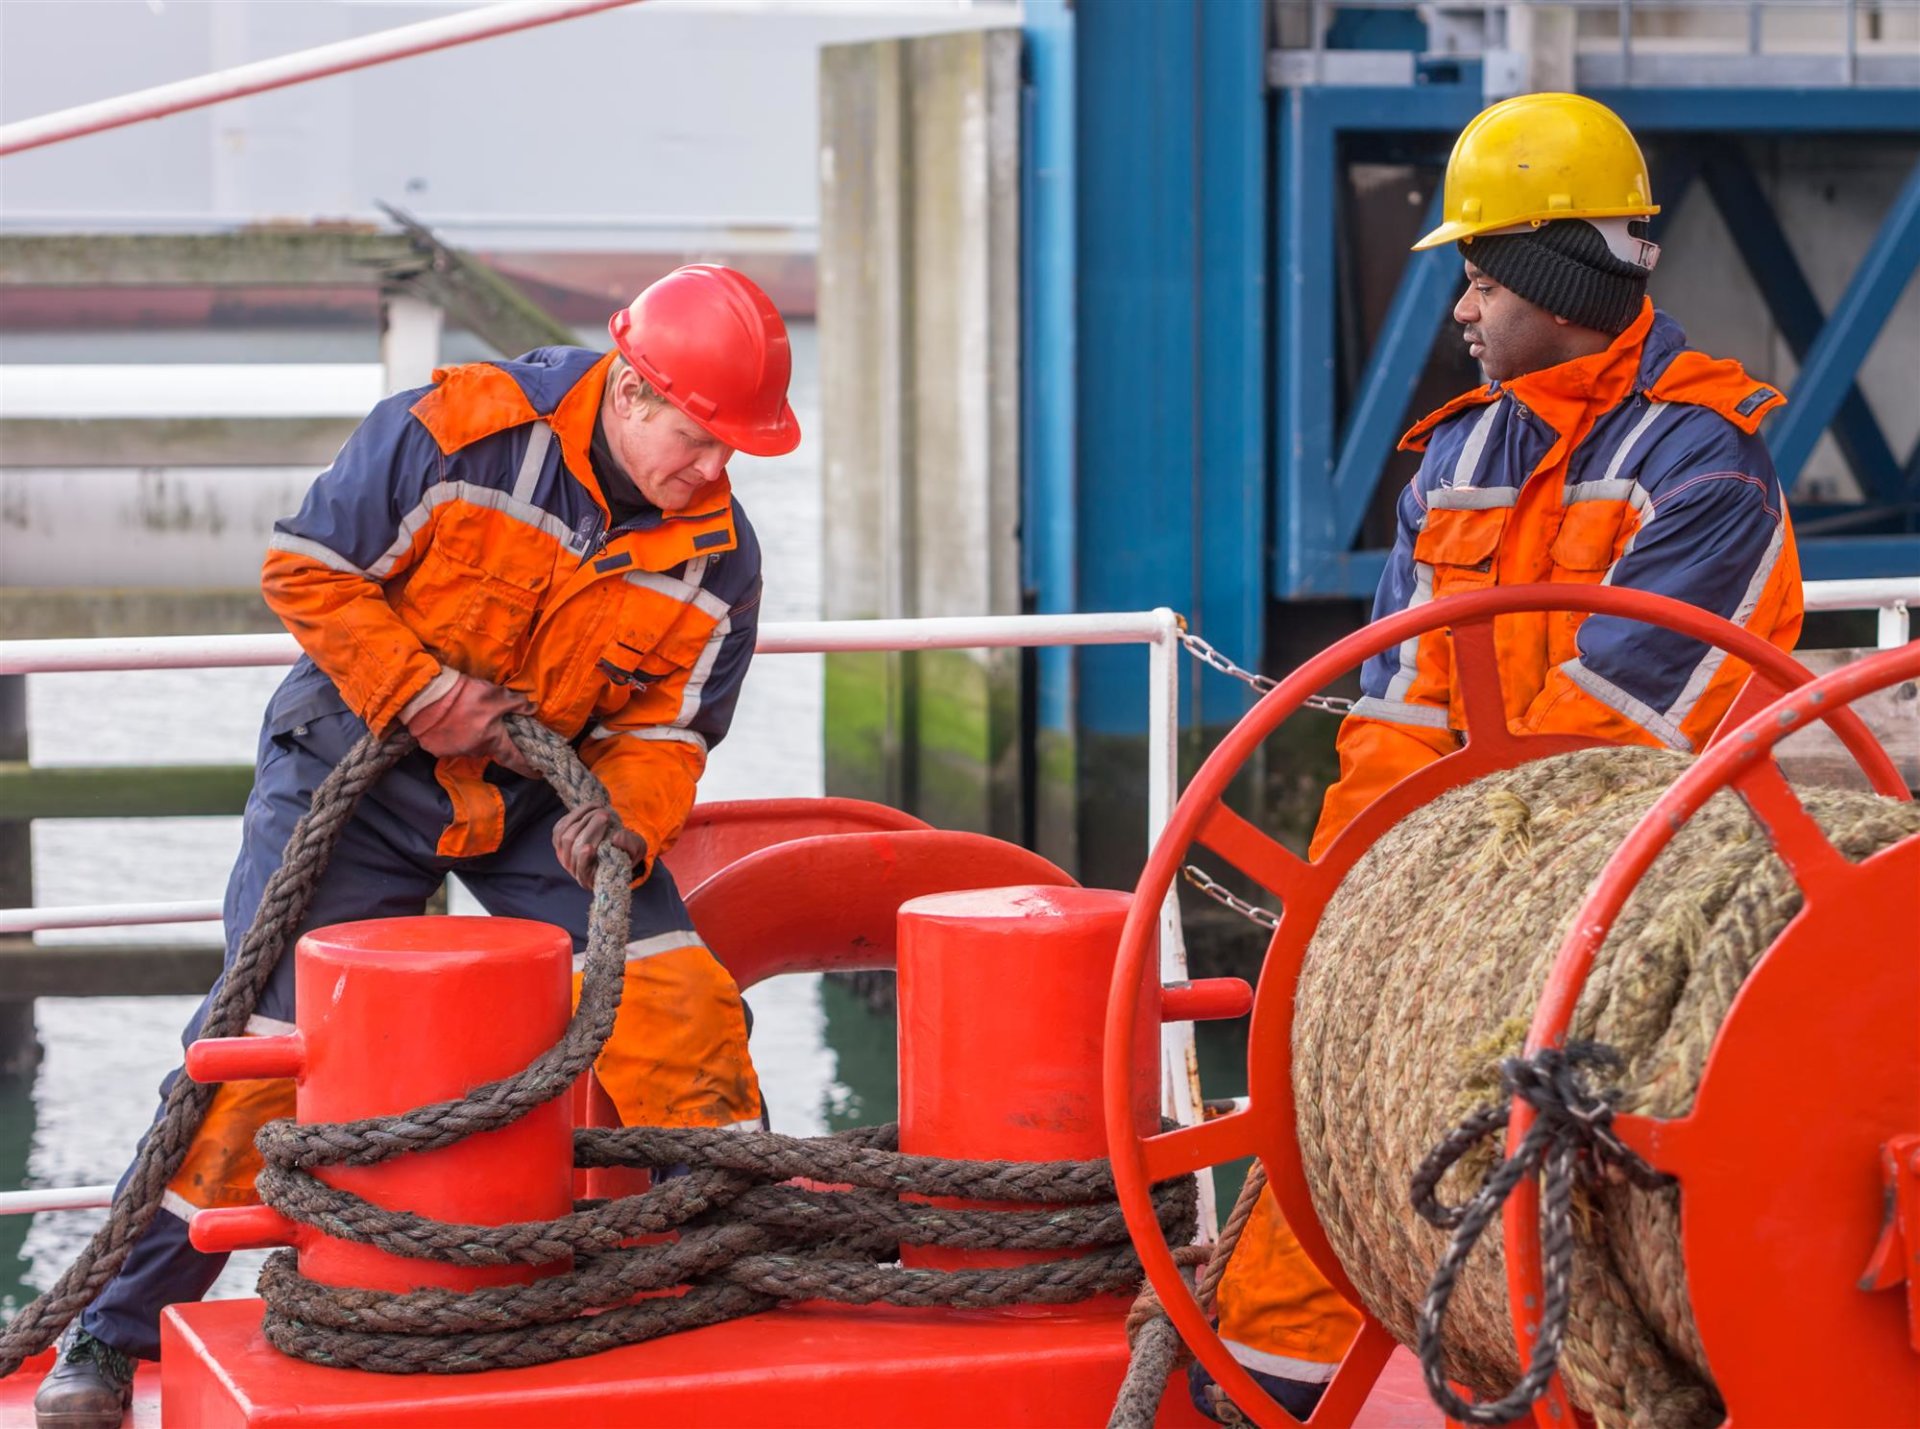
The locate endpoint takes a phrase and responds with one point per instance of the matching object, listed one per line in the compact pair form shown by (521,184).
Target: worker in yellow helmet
(1600,448)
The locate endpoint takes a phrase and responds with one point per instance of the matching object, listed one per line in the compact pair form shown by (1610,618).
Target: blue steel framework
(1324,483)
(1146,349)
(1180,404)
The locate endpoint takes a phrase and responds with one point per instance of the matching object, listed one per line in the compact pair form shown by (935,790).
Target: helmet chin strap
(1622,241)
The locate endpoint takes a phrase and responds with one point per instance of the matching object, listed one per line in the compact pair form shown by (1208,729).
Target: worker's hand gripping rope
(1569,1118)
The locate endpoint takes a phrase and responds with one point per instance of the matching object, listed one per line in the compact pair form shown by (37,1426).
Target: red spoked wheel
(1799,1164)
(1265,1127)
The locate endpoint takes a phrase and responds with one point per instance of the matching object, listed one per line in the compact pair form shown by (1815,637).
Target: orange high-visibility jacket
(1639,466)
(462,526)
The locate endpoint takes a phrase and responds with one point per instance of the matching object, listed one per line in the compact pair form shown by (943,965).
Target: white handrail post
(1895,625)
(1180,1096)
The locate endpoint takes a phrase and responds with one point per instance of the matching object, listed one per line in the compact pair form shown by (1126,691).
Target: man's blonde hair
(650,399)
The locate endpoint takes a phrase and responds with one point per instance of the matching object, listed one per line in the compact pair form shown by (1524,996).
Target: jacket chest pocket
(1462,547)
(1589,540)
(653,635)
(474,596)
(1584,549)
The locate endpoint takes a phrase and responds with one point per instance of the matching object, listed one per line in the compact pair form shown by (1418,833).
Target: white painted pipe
(189,652)
(296,68)
(108,915)
(1880,592)
(55,1198)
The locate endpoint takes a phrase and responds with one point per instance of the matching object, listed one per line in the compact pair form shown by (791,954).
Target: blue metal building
(1219,355)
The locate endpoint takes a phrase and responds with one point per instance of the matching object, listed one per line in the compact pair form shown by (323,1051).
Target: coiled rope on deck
(744,1243)
(1420,984)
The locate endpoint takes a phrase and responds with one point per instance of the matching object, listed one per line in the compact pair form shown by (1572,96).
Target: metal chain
(1220,893)
(1207,655)
(1330,704)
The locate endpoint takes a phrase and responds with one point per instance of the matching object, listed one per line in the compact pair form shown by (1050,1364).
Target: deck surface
(1399,1400)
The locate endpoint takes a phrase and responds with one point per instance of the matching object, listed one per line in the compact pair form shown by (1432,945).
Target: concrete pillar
(1538,54)
(409,340)
(920,379)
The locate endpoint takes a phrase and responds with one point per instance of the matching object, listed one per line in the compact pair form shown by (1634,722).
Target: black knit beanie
(1565,267)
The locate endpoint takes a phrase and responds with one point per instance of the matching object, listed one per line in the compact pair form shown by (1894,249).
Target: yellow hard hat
(1539,157)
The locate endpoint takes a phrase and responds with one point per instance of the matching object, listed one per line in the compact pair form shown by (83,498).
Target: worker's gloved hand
(580,832)
(469,720)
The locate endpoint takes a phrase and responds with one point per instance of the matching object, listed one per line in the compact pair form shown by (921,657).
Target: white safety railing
(283,70)
(1892,598)
(1158,630)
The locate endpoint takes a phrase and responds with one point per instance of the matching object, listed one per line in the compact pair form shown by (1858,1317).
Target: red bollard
(395,1013)
(1002,1005)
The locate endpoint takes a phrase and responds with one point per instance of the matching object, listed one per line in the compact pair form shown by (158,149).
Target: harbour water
(824,1059)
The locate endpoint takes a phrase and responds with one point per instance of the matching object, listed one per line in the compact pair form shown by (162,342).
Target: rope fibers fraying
(1423,977)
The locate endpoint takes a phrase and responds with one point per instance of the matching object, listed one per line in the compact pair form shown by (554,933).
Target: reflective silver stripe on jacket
(643,948)
(1710,662)
(686,592)
(1468,462)
(1472,498)
(1400,712)
(539,438)
(313,551)
(474,495)
(1284,1366)
(652,731)
(1618,700)
(1408,651)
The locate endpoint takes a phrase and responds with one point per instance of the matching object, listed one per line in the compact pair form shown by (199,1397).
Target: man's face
(1507,335)
(670,457)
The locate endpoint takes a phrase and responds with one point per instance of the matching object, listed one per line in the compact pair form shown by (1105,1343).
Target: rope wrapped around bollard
(742,1240)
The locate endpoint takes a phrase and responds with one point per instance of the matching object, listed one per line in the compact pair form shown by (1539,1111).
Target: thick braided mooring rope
(1418,989)
(744,1242)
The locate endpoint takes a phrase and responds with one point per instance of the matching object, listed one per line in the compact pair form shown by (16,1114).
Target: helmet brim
(776,440)
(1455,231)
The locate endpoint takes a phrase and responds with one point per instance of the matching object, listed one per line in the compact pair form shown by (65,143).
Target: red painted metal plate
(1816,1068)
(832,902)
(807,1366)
(723,832)
(1782,1200)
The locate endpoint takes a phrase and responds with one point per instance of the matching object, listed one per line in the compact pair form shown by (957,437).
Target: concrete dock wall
(920,378)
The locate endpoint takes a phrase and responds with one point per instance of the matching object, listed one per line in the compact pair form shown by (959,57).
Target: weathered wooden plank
(413,261)
(477,298)
(122,792)
(257,257)
(172,441)
(1816,756)
(81,612)
(30,970)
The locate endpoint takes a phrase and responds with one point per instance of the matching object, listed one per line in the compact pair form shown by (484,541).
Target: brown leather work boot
(89,1387)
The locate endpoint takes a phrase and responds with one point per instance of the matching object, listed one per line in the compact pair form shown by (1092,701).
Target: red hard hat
(712,343)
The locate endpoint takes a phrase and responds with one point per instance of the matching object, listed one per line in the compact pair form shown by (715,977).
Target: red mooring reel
(1265,1127)
(1799,1164)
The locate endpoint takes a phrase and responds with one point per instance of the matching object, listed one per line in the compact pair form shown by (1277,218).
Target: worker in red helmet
(1599,449)
(552,536)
